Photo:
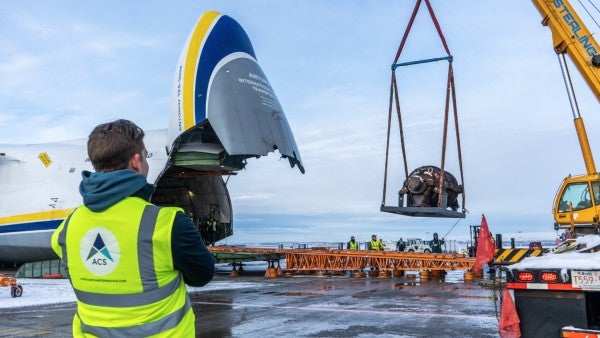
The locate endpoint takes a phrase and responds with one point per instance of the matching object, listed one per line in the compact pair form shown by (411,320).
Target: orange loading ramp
(350,260)
(357,260)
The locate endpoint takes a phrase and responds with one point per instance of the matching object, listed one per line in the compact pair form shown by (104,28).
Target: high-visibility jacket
(121,268)
(375,245)
(353,245)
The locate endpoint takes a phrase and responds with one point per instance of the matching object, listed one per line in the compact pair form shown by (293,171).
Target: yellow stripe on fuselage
(36,216)
(191,61)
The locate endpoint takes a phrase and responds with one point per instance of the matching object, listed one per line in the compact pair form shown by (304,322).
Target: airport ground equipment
(514,255)
(549,295)
(43,269)
(327,260)
(355,260)
(16,290)
(429,190)
(416,245)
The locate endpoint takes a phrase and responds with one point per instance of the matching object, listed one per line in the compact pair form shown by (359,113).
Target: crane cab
(577,204)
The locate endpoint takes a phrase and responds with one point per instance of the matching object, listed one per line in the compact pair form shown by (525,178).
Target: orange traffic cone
(509,319)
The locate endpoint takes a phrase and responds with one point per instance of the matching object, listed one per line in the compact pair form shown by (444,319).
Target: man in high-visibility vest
(129,260)
(352,245)
(374,243)
(212,231)
(381,244)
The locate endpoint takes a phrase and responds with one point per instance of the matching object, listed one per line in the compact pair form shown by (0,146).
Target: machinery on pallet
(548,296)
(429,190)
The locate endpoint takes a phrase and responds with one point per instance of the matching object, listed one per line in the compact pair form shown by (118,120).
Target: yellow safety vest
(353,245)
(119,263)
(375,245)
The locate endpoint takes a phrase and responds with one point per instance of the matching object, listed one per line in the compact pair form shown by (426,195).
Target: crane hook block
(421,196)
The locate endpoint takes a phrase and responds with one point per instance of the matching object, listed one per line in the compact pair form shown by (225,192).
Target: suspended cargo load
(422,187)
(429,191)
(420,194)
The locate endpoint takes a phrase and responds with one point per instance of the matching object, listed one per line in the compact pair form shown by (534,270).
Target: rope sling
(444,181)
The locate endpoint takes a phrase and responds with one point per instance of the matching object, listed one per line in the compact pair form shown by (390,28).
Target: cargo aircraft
(223,112)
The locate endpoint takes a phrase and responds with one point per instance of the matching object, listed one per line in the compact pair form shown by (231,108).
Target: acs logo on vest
(99,251)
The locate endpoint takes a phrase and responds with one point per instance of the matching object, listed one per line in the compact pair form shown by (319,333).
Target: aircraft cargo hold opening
(202,195)
(429,190)
(194,180)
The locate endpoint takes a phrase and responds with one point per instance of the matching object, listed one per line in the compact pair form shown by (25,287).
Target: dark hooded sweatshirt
(101,190)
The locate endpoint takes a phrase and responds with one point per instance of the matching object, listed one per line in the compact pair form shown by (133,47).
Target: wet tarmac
(310,306)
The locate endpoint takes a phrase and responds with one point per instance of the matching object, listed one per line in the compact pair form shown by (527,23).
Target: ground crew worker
(212,231)
(381,244)
(436,244)
(352,245)
(207,231)
(401,245)
(374,243)
(128,259)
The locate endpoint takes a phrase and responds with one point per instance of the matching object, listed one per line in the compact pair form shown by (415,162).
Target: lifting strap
(450,94)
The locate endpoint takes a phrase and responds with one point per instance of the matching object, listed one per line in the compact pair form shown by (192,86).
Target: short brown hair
(111,145)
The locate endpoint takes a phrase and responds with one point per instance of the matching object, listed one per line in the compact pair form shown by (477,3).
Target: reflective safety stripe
(128,300)
(153,299)
(542,286)
(62,241)
(375,245)
(146,249)
(152,292)
(143,330)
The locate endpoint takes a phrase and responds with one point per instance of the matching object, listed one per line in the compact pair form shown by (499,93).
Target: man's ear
(134,163)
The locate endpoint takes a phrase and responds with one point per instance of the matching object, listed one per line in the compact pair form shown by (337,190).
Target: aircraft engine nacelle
(422,188)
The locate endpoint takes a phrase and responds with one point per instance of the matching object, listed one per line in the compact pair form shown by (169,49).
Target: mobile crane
(577,203)
(553,296)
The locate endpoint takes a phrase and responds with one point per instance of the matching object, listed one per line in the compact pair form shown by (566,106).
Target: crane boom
(571,36)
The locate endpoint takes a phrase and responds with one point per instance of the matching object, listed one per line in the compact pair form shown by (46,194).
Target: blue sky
(67,66)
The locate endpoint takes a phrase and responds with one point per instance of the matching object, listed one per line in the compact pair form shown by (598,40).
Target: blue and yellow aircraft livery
(223,112)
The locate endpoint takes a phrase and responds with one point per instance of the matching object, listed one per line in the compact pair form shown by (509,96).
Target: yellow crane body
(577,203)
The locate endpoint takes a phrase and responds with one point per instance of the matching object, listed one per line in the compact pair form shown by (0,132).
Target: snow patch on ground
(38,292)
